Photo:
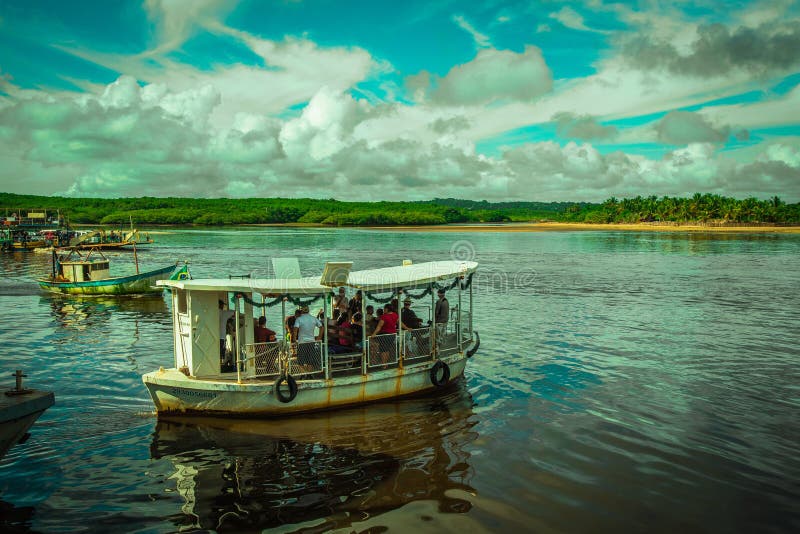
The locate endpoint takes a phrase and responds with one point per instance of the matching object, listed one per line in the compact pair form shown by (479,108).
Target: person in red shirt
(387,324)
(262,333)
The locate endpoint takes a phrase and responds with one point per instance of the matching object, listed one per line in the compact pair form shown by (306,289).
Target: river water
(629,381)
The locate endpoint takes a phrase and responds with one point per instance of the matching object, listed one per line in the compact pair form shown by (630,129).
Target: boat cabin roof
(404,276)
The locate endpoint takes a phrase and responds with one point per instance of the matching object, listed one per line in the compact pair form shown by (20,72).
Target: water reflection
(82,313)
(333,469)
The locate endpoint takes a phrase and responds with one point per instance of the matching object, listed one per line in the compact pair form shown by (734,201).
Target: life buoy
(437,380)
(291,382)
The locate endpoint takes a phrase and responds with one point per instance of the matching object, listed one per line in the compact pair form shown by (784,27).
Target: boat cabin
(75,268)
(216,321)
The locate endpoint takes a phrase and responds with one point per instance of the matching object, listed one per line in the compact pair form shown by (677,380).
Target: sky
(484,100)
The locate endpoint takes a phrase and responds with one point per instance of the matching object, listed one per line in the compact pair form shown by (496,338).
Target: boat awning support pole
(434,337)
(364,348)
(326,359)
(470,310)
(236,332)
(400,333)
(458,315)
(285,335)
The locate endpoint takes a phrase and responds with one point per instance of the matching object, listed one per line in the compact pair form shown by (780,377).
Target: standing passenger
(340,301)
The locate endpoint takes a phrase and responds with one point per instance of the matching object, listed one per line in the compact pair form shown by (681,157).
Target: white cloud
(570,18)
(495,75)
(177,20)
(481,40)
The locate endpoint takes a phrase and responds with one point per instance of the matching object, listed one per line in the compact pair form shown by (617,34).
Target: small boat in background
(110,240)
(90,275)
(19,409)
(26,230)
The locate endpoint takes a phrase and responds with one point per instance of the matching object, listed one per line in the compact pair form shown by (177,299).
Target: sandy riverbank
(561,227)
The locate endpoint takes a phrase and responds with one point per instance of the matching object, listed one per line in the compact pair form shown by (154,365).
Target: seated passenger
(344,331)
(357,331)
(262,333)
(408,318)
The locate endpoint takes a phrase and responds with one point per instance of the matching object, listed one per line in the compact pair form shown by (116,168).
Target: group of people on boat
(345,327)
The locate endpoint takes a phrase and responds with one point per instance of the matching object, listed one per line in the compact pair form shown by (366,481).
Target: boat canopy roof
(272,286)
(409,276)
(387,278)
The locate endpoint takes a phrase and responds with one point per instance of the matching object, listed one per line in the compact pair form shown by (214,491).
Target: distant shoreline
(562,227)
(509,227)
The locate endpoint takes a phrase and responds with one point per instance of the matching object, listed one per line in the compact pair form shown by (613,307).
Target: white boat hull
(173,392)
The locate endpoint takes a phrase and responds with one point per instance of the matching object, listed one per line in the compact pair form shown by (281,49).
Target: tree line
(330,212)
(702,208)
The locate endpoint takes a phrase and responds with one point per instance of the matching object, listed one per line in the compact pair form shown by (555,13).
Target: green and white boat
(75,274)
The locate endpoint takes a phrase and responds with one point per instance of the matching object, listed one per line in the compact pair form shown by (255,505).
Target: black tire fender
(471,352)
(291,382)
(445,378)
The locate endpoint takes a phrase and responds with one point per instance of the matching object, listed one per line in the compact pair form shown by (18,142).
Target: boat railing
(382,351)
(263,359)
(464,328)
(417,345)
(306,358)
(446,339)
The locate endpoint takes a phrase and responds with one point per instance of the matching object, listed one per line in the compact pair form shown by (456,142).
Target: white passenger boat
(286,376)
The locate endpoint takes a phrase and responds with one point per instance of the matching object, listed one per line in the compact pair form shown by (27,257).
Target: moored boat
(111,240)
(19,409)
(291,375)
(90,275)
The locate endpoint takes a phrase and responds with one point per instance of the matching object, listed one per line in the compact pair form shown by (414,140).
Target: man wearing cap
(441,314)
(408,317)
(442,309)
(303,333)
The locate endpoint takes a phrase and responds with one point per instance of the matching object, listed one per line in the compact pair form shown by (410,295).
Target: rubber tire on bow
(291,382)
(435,380)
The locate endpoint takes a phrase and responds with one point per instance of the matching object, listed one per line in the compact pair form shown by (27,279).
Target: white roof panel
(387,278)
(409,276)
(280,286)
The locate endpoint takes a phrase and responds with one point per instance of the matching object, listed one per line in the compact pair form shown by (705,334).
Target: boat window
(183,306)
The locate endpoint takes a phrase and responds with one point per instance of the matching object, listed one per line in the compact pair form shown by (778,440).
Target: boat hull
(125,285)
(17,415)
(173,392)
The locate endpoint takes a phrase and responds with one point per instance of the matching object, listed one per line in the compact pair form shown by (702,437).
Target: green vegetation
(222,211)
(699,208)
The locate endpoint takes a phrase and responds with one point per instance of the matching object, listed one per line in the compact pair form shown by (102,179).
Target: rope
(465,283)
(277,300)
(416,296)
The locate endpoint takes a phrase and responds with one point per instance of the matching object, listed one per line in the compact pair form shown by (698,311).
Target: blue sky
(353,100)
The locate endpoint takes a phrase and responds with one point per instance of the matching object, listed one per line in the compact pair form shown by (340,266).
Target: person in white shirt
(304,326)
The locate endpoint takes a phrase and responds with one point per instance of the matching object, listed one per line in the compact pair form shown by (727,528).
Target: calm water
(630,381)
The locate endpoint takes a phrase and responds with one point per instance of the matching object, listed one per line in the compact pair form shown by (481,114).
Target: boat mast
(135,257)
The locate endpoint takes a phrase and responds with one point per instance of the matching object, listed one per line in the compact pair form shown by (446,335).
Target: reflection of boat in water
(319,375)
(90,275)
(333,469)
(80,313)
(19,409)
